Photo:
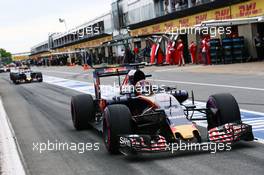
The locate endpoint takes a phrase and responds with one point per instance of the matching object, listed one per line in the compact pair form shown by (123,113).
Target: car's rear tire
(15,82)
(39,77)
(116,122)
(16,79)
(82,111)
(223,109)
(11,76)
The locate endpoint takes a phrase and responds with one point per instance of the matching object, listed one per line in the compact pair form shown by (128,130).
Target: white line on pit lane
(253,112)
(208,84)
(62,72)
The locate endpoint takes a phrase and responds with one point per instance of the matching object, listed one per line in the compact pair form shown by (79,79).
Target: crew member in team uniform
(160,56)
(208,53)
(172,53)
(193,50)
(205,45)
(169,53)
(179,50)
(156,55)
(153,53)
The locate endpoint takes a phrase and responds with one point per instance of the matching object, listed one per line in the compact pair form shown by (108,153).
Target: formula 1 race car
(25,74)
(4,69)
(147,118)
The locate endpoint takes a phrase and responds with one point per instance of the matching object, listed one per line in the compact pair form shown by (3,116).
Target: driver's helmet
(144,87)
(24,69)
(135,76)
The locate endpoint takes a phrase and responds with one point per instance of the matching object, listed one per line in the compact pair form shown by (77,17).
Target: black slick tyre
(223,109)
(116,122)
(82,111)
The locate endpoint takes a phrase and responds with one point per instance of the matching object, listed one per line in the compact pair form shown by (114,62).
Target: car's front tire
(16,82)
(82,111)
(39,77)
(16,79)
(223,109)
(116,122)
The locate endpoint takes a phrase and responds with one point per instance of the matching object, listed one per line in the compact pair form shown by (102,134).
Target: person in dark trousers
(146,53)
(129,55)
(259,44)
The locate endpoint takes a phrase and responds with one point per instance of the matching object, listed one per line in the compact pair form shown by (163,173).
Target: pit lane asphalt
(40,112)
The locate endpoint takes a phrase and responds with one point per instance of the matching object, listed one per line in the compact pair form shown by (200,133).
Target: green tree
(4,53)
(5,57)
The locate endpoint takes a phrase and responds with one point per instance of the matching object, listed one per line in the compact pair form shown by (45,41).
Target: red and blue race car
(148,119)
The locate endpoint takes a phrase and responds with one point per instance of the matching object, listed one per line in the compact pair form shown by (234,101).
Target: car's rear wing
(111,71)
(116,70)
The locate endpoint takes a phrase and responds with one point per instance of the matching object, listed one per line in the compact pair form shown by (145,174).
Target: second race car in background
(4,69)
(24,74)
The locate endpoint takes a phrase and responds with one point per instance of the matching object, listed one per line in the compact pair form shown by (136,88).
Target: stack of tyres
(227,44)
(238,49)
(216,51)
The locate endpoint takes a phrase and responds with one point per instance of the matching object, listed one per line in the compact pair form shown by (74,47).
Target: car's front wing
(231,132)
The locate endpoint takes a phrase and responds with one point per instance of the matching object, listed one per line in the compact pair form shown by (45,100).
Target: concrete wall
(249,31)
